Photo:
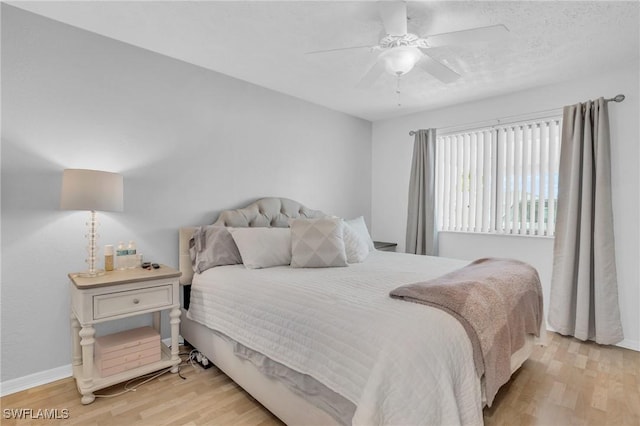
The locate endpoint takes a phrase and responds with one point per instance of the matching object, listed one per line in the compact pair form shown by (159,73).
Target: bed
(321,346)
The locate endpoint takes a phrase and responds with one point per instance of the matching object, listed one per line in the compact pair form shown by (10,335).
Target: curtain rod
(617,98)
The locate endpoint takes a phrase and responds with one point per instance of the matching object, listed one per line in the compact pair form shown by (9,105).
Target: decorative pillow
(263,247)
(212,246)
(360,227)
(356,247)
(317,243)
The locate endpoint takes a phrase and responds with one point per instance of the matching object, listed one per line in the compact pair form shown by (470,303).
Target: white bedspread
(399,363)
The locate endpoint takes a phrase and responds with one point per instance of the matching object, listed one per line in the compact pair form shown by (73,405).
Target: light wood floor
(567,382)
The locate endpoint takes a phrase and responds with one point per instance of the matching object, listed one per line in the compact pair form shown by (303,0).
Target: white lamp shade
(400,60)
(91,190)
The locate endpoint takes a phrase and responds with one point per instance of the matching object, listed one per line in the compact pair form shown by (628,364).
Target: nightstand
(382,246)
(116,295)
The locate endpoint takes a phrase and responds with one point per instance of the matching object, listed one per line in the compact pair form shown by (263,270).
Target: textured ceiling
(265,42)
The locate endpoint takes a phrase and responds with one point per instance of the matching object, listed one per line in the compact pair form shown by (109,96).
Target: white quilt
(400,363)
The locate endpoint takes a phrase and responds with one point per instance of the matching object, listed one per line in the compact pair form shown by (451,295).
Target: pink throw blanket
(497,301)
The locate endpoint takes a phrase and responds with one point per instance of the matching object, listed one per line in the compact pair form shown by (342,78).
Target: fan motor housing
(411,40)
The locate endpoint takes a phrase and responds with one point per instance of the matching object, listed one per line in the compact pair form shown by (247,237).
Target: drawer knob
(136,301)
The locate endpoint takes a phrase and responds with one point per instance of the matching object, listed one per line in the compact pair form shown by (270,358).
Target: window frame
(522,153)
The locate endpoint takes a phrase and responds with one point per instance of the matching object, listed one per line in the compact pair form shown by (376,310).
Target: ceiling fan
(401,51)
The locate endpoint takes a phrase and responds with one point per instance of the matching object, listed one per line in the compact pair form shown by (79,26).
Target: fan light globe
(400,60)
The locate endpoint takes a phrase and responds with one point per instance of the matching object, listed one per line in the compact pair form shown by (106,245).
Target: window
(501,179)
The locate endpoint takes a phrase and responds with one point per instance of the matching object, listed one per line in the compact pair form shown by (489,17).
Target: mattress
(397,362)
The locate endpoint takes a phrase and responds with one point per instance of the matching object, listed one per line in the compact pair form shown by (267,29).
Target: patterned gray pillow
(317,243)
(212,246)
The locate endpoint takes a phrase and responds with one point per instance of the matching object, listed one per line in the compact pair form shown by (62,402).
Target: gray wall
(189,142)
(392,150)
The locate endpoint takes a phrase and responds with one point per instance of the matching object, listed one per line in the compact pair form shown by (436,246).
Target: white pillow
(360,227)
(263,247)
(317,243)
(356,246)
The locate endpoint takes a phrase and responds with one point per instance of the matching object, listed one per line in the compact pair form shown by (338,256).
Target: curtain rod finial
(617,98)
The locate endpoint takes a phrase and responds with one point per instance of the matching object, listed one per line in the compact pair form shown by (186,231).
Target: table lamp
(91,190)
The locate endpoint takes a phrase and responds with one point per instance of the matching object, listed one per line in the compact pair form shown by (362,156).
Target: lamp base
(88,274)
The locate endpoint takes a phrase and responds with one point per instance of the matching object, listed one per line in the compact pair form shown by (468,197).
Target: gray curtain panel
(584,289)
(421,218)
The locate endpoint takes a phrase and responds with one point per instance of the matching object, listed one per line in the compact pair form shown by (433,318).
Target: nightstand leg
(175,330)
(87,333)
(75,339)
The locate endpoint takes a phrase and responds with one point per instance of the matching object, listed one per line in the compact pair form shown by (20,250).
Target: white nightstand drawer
(109,305)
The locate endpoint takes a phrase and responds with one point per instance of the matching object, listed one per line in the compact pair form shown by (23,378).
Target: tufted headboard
(271,212)
(266,212)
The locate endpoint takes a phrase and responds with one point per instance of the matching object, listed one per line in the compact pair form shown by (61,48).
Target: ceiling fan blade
(473,35)
(394,17)
(438,69)
(371,76)
(338,49)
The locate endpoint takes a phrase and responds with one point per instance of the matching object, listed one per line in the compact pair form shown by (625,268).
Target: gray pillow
(212,246)
(317,243)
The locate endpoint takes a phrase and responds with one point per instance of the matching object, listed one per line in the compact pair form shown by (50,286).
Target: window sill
(496,234)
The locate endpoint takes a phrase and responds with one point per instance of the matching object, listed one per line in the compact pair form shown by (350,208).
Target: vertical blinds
(499,180)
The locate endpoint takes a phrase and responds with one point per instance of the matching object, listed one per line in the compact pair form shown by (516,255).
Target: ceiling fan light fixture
(400,60)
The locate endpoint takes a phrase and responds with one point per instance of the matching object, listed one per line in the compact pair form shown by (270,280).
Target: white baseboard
(48,376)
(36,379)
(634,345)
(43,377)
